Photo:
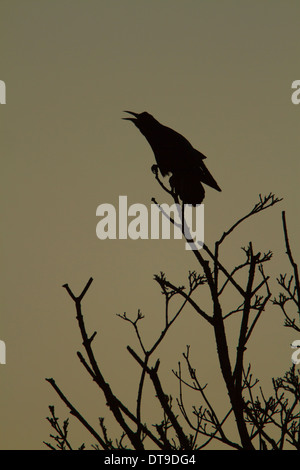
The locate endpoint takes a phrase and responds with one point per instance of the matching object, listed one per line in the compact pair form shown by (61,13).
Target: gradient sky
(218,72)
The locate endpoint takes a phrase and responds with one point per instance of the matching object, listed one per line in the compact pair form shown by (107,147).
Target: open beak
(131,119)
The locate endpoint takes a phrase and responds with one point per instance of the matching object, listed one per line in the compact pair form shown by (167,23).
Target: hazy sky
(220,73)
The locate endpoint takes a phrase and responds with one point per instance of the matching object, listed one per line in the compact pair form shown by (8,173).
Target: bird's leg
(173,189)
(154,170)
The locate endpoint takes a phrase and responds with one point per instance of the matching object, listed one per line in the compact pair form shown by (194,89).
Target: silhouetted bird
(174,154)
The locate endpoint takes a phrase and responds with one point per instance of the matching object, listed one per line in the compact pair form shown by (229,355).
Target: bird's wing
(206,176)
(200,154)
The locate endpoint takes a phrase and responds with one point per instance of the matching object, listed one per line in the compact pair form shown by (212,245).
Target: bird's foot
(154,169)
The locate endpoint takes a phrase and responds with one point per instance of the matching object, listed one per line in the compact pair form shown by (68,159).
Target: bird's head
(142,120)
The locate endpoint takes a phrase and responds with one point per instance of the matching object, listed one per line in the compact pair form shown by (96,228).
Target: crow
(174,154)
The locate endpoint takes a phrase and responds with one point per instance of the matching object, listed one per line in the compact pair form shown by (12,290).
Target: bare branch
(294,265)
(77,415)
(264,203)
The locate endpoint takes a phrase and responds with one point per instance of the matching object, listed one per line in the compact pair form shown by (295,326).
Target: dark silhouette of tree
(261,423)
